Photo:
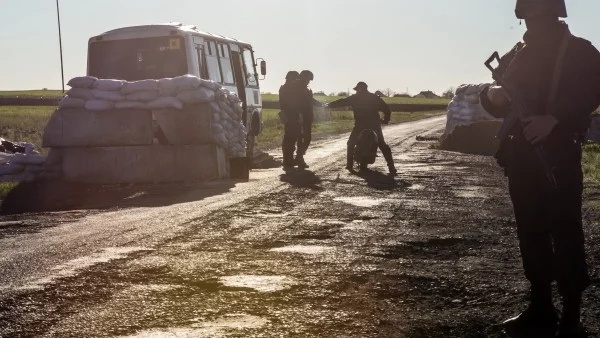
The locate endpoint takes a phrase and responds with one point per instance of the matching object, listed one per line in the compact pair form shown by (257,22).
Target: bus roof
(165,29)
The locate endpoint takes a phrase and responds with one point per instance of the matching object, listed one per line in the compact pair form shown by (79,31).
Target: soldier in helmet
(305,102)
(558,76)
(290,117)
(366,107)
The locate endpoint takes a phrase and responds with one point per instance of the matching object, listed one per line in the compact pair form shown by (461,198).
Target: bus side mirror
(263,68)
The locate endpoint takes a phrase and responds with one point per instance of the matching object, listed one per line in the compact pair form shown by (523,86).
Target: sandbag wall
(469,128)
(176,129)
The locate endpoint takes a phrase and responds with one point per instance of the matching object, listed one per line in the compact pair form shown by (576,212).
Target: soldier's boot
(570,321)
(387,154)
(288,159)
(539,318)
(350,158)
(300,162)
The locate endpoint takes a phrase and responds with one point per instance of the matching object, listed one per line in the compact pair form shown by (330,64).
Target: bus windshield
(138,59)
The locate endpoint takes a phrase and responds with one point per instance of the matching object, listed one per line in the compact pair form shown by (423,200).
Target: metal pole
(62,72)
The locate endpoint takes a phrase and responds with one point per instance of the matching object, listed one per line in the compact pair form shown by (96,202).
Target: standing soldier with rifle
(546,96)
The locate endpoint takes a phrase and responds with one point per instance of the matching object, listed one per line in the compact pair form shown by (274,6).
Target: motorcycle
(365,151)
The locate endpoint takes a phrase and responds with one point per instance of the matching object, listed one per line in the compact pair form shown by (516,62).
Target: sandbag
(165,102)
(166,87)
(145,96)
(108,95)
(11,168)
(200,95)
(82,82)
(109,84)
(80,93)
(131,105)
(210,84)
(69,102)
(99,105)
(149,85)
(24,159)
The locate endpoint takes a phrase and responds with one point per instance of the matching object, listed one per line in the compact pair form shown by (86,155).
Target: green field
(591,164)
(24,124)
(34,93)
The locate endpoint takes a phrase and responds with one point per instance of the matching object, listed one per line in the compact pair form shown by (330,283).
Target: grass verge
(24,124)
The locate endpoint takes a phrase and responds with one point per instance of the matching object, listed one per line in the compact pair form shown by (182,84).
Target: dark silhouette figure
(290,117)
(305,102)
(558,77)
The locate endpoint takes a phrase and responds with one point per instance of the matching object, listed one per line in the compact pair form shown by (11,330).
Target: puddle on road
(470,192)
(362,201)
(73,267)
(258,283)
(217,328)
(304,249)
(417,187)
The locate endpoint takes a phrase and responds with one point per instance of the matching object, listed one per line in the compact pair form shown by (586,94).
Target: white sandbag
(24,159)
(210,84)
(145,96)
(80,93)
(11,168)
(472,98)
(109,84)
(215,107)
(82,82)
(69,102)
(5,158)
(186,82)
(200,95)
(131,105)
(108,95)
(165,102)
(216,117)
(166,87)
(149,85)
(99,105)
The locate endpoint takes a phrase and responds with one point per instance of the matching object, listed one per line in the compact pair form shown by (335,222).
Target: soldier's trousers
(305,135)
(385,149)
(549,224)
(291,133)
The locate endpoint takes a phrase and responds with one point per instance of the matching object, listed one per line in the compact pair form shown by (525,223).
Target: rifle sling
(558,67)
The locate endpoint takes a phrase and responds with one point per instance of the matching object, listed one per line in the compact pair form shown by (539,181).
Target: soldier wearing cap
(366,107)
(558,76)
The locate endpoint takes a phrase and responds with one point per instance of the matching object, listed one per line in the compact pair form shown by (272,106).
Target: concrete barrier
(144,164)
(190,125)
(84,128)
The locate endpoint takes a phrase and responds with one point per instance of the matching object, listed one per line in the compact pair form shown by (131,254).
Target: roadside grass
(40,92)
(334,122)
(591,164)
(5,187)
(24,124)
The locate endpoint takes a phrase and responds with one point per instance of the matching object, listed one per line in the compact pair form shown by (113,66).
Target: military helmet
(528,8)
(307,75)
(292,75)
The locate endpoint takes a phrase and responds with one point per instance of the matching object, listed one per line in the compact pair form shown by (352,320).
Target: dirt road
(319,253)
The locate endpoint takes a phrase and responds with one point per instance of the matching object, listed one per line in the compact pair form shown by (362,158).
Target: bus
(169,50)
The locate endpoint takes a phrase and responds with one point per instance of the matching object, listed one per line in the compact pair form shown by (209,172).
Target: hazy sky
(397,44)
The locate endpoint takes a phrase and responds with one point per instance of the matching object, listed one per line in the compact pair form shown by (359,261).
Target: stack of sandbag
(19,161)
(106,94)
(465,108)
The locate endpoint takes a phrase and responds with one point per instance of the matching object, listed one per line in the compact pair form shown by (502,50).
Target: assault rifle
(517,114)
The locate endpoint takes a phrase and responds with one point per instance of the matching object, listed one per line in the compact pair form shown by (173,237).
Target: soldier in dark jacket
(558,76)
(366,107)
(305,106)
(290,117)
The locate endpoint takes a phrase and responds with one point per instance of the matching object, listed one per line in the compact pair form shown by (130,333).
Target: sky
(403,45)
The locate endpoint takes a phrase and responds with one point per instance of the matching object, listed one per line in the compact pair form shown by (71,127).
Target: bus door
(240,79)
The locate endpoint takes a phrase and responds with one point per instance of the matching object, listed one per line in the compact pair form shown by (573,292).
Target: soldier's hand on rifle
(498,96)
(537,128)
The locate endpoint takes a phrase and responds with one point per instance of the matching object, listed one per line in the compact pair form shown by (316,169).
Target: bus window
(212,61)
(249,68)
(201,63)
(225,62)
